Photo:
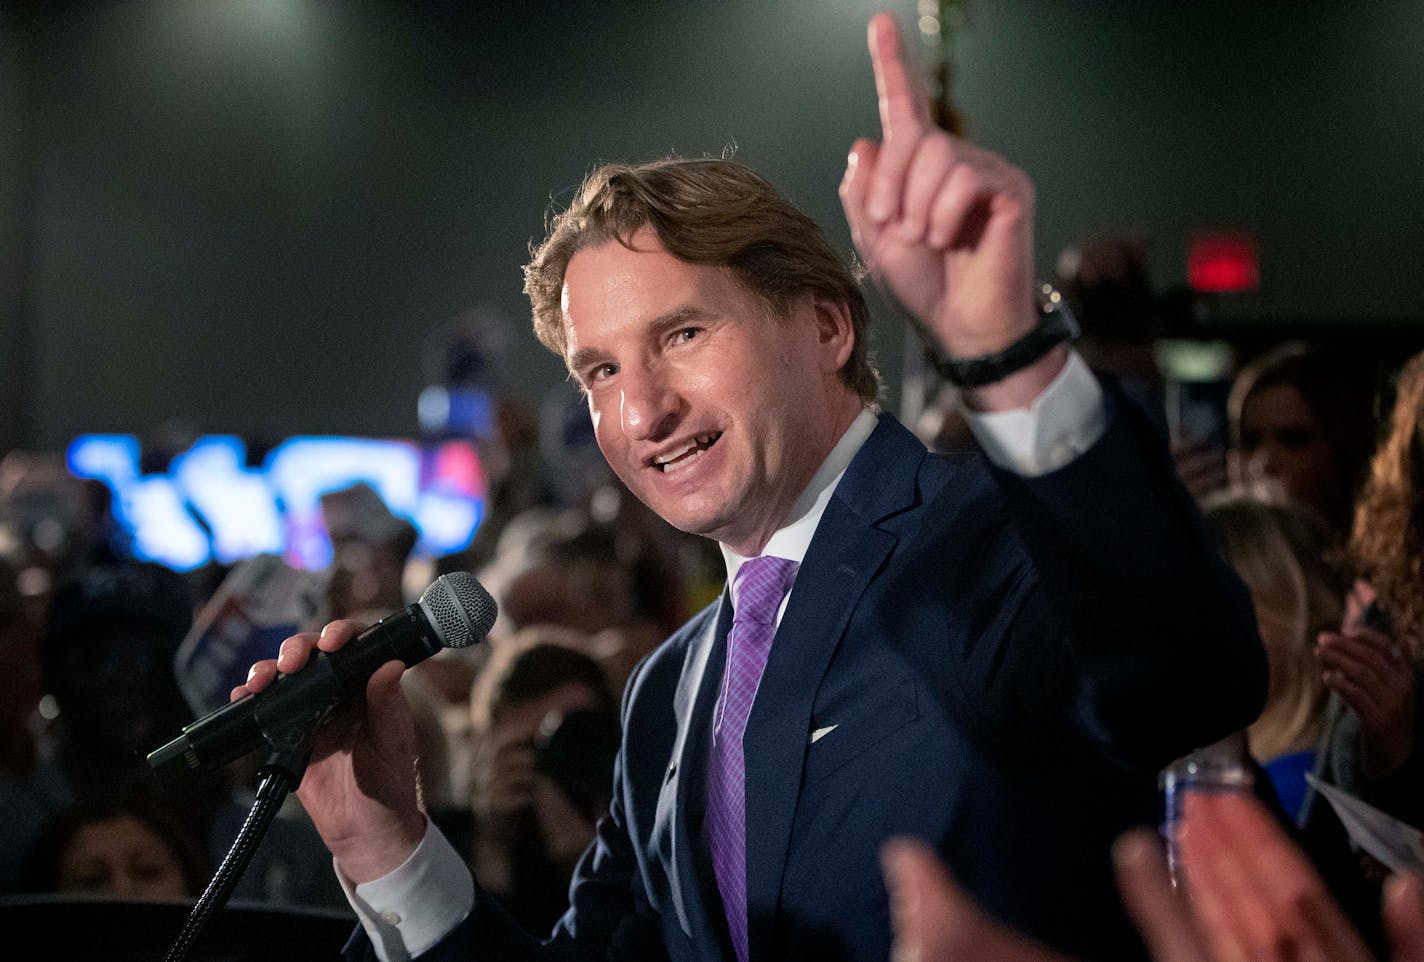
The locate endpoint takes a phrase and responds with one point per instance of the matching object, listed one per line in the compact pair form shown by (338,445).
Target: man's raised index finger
(903,107)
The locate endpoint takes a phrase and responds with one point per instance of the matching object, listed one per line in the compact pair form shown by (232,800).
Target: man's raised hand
(945,226)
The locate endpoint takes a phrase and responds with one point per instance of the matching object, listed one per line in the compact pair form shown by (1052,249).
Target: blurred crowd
(1308,485)
(519,732)
(1309,480)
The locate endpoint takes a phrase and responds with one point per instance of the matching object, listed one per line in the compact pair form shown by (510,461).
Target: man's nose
(650,406)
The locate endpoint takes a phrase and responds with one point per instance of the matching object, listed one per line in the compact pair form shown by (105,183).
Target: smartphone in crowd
(1197,380)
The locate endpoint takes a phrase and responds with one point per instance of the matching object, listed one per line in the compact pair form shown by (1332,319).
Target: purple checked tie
(757,591)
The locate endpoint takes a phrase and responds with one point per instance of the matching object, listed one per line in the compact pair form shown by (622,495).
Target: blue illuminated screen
(211,505)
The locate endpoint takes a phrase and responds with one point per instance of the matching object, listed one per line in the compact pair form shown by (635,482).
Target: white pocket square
(820,733)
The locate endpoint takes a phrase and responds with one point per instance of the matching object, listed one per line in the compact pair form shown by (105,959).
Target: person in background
(1298,588)
(529,821)
(517,473)
(135,849)
(368,579)
(1373,663)
(1302,418)
(1387,537)
(370,547)
(111,635)
(563,568)
(53,523)
(568,571)
(1106,277)
(1281,552)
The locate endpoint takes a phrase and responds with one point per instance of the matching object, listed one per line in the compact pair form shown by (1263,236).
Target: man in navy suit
(995,654)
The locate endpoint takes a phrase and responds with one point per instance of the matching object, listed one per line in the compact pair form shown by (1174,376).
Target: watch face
(1049,299)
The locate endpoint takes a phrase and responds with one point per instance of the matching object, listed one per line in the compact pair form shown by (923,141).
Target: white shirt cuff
(1066,419)
(415,906)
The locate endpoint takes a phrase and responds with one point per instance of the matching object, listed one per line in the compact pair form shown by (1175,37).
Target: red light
(1223,264)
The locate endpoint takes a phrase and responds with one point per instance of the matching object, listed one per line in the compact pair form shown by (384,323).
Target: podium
(69,929)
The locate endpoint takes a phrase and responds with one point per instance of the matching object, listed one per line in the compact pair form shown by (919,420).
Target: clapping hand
(1251,894)
(1369,669)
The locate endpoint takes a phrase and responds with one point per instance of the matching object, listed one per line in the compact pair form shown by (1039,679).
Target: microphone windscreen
(460,608)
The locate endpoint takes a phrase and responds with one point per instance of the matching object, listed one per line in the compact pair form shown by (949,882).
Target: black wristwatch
(1056,325)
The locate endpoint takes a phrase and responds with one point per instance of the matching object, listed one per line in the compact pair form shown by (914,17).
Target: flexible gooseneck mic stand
(291,750)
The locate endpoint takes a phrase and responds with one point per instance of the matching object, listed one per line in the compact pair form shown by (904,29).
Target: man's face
(714,412)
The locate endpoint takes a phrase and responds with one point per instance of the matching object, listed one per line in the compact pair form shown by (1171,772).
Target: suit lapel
(845,553)
(684,788)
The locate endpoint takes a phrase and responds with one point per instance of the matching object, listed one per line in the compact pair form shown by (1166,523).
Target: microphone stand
(291,750)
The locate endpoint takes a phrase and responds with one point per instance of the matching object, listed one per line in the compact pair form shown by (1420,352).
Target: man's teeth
(690,450)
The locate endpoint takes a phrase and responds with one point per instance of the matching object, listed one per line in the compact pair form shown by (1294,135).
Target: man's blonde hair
(713,212)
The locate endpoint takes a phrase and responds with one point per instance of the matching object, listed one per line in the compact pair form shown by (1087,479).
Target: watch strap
(1056,325)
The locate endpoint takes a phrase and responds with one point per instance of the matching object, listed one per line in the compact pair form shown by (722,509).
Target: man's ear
(835,333)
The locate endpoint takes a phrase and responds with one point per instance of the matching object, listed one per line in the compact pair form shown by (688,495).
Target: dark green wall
(15,373)
(253,215)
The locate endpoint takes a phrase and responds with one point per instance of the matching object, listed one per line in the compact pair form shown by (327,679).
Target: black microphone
(453,612)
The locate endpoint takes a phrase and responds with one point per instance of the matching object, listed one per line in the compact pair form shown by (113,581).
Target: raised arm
(946,227)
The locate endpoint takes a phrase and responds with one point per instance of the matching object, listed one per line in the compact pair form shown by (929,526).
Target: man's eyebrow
(582,358)
(671,320)
(676,318)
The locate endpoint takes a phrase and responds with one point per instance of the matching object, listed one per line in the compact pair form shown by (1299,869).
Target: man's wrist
(367,860)
(408,911)
(1055,326)
(1059,420)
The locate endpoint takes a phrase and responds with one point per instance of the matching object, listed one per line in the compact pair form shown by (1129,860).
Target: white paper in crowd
(260,602)
(1397,845)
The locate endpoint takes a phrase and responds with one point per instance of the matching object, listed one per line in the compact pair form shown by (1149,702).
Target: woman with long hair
(1279,550)
(1302,418)
(1373,661)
